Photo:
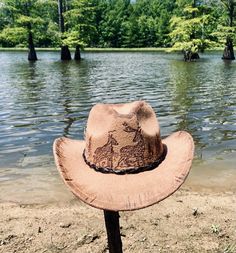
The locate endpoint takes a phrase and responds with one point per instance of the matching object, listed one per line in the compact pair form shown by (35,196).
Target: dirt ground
(188,221)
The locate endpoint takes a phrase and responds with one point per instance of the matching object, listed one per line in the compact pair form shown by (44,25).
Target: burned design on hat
(132,155)
(89,146)
(103,156)
(127,156)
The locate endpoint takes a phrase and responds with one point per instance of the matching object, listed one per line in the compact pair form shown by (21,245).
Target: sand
(188,221)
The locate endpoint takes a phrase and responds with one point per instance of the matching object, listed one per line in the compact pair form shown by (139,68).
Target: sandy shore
(188,221)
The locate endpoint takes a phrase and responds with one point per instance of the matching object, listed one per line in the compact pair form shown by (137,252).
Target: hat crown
(122,136)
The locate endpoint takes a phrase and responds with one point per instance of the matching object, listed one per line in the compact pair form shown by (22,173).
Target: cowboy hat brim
(129,191)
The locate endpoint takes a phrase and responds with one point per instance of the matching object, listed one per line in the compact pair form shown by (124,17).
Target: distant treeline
(115,23)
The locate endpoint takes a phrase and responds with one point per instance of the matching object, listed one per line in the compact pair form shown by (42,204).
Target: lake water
(47,99)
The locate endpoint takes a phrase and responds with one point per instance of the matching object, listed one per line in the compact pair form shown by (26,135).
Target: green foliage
(23,16)
(143,23)
(191,25)
(188,30)
(25,21)
(47,36)
(72,39)
(222,32)
(226,26)
(3,16)
(80,21)
(13,36)
(113,26)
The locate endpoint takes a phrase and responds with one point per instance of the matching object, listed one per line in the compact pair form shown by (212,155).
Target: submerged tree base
(190,56)
(32,56)
(77,56)
(228,53)
(65,53)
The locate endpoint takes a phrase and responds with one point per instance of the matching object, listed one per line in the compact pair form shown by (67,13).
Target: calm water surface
(47,99)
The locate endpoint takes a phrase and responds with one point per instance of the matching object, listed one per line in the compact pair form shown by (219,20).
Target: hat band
(134,170)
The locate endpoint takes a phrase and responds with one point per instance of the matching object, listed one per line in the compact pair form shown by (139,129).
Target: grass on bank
(146,49)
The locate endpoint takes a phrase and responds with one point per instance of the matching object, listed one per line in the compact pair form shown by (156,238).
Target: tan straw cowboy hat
(123,164)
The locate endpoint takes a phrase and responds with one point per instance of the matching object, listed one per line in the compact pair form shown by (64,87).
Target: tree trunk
(77,56)
(32,56)
(228,53)
(231,13)
(190,56)
(65,53)
(61,18)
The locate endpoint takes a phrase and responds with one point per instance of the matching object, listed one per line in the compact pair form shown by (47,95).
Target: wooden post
(113,231)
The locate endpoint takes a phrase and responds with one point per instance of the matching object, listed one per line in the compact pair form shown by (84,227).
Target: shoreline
(107,50)
(43,185)
(187,221)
